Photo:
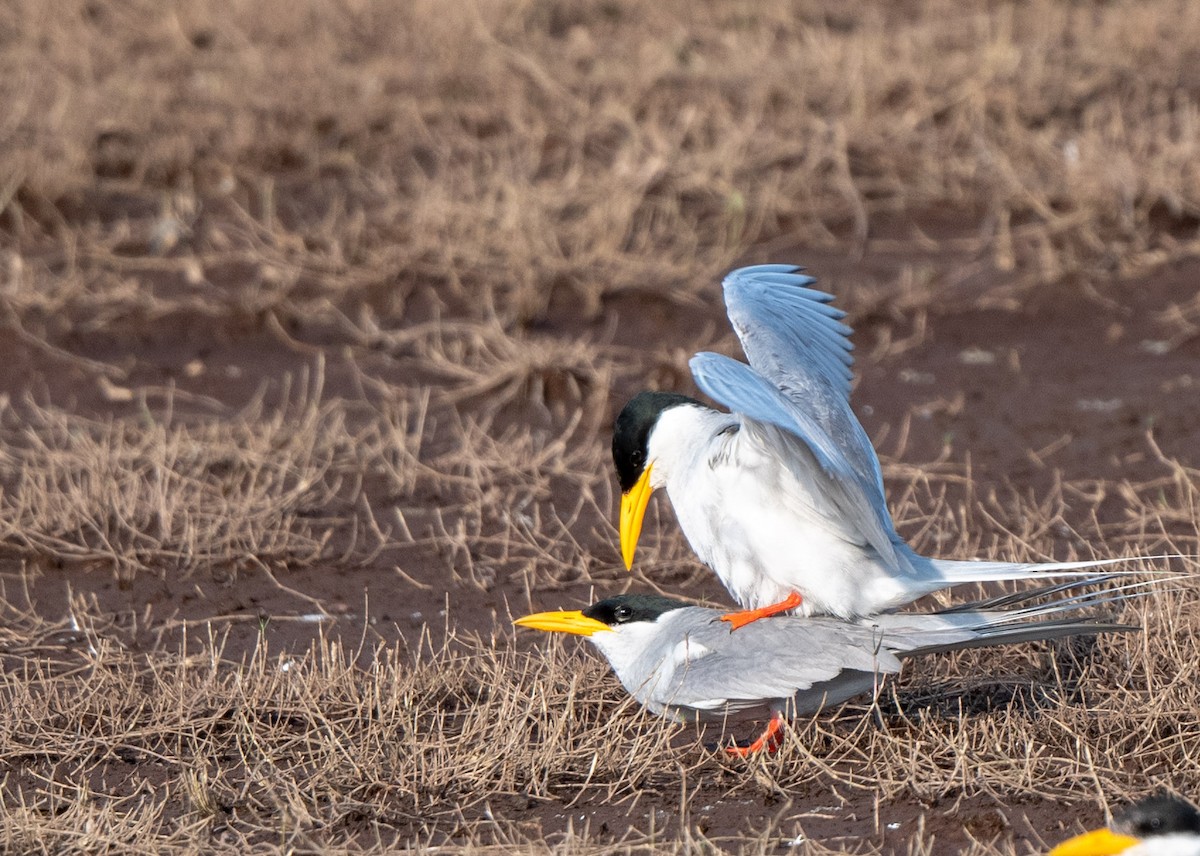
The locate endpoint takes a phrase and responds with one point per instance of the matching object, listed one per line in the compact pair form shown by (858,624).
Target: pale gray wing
(795,339)
(855,495)
(799,380)
(917,634)
(788,331)
(765,660)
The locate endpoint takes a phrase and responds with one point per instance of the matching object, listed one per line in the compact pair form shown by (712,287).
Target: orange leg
(771,739)
(741,619)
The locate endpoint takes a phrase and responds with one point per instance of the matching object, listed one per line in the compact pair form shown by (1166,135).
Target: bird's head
(626,629)
(614,614)
(1167,820)
(634,460)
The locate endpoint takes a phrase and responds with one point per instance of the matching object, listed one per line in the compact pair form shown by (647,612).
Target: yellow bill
(633,509)
(1102,842)
(563,621)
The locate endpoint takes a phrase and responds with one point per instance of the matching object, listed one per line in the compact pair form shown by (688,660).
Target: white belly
(767,534)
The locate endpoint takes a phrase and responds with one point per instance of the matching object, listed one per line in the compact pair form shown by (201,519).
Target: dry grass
(328,293)
(504,154)
(263,486)
(338,748)
(447,739)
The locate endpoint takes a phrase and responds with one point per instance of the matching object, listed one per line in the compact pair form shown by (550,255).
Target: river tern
(682,662)
(782,496)
(1164,825)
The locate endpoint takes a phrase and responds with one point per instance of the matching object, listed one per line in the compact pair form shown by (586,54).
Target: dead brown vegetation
(261,157)
(316,315)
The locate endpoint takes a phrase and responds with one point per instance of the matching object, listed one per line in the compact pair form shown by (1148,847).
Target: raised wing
(798,379)
(797,341)
(789,332)
(854,496)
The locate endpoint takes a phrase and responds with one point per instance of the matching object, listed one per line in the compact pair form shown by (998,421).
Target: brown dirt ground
(484,231)
(1078,374)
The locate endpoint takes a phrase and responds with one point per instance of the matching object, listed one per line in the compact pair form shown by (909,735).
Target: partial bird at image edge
(1160,825)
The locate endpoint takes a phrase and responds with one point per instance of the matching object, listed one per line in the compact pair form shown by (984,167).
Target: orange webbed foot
(738,620)
(770,740)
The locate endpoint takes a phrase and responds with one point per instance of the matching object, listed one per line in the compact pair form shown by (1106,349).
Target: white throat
(626,647)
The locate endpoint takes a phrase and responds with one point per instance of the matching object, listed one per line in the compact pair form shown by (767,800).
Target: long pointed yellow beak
(633,509)
(1102,842)
(563,621)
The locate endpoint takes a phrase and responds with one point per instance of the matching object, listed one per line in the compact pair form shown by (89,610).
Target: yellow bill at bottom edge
(1101,842)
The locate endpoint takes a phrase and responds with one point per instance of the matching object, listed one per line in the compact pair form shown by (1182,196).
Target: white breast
(1182,844)
(756,508)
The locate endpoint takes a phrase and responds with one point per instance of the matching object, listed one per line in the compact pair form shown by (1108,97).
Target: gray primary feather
(791,658)
(768,306)
(689,666)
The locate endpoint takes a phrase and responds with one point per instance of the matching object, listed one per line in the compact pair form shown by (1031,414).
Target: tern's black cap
(625,608)
(631,434)
(1158,815)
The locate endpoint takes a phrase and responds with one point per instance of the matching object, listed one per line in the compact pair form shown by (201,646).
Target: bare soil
(315,331)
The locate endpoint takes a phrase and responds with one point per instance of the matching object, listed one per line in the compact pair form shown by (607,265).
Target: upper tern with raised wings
(783,496)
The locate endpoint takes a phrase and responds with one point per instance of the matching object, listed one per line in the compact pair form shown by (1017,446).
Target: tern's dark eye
(623,613)
(636,458)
